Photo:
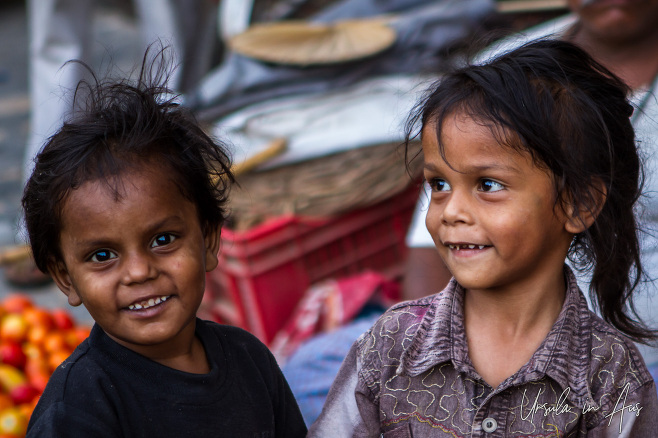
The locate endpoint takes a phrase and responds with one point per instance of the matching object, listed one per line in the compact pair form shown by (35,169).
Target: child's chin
(468,282)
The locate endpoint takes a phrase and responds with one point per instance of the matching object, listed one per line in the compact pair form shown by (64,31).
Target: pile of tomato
(33,342)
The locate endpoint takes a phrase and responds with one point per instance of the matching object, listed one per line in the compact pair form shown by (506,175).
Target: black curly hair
(116,126)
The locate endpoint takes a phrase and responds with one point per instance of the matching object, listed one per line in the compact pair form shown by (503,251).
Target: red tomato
(62,319)
(12,354)
(24,393)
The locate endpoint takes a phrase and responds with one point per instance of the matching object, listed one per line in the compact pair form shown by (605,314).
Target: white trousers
(60,30)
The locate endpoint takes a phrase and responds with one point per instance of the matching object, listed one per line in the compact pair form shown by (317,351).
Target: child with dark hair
(532,160)
(124,210)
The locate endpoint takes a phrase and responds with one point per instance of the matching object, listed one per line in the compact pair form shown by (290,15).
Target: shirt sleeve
(348,411)
(635,415)
(289,422)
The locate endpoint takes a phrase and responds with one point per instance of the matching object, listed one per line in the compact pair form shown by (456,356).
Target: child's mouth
(149,303)
(466,246)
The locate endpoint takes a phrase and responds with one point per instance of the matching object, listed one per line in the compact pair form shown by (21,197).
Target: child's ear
(212,239)
(581,220)
(62,279)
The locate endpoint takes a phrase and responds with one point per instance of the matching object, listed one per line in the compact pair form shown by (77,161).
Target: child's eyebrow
(431,167)
(168,221)
(484,167)
(492,166)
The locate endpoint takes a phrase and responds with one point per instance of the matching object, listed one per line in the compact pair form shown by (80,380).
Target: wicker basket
(323,187)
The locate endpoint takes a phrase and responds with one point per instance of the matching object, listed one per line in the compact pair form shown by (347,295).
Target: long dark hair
(116,126)
(571,114)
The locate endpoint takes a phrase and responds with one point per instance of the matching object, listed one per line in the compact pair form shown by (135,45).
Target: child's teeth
(466,246)
(150,303)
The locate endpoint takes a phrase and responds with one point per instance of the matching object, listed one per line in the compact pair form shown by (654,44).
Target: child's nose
(457,209)
(138,268)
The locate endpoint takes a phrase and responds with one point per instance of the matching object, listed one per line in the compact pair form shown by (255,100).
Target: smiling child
(531,159)
(124,210)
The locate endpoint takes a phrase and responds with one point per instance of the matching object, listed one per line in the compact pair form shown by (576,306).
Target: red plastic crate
(264,271)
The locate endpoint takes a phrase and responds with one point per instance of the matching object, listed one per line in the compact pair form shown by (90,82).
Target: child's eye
(488,185)
(439,185)
(102,255)
(163,239)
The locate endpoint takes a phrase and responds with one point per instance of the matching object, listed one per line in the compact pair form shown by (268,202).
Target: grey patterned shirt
(410,376)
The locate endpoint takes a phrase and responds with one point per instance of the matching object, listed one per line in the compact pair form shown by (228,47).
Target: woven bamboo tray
(323,187)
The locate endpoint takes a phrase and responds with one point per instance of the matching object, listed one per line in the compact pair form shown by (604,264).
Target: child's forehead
(126,187)
(454,124)
(461,132)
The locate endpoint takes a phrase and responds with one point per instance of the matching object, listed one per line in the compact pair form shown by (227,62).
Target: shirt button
(489,425)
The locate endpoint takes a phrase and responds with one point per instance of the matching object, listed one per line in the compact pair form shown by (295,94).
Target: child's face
(137,263)
(618,21)
(492,212)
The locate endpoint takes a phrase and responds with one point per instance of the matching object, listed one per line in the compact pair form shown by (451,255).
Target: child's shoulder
(396,328)
(610,349)
(615,364)
(232,333)
(73,368)
(405,316)
(236,339)
(74,376)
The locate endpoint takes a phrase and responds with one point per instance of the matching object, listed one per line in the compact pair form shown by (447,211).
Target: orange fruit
(16,303)
(11,377)
(33,351)
(37,317)
(37,372)
(37,334)
(5,401)
(57,358)
(54,342)
(12,421)
(82,332)
(27,409)
(39,381)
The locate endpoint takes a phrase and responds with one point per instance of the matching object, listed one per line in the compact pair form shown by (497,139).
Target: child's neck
(185,353)
(505,327)
(193,360)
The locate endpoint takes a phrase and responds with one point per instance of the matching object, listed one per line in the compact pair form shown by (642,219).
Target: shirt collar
(441,337)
